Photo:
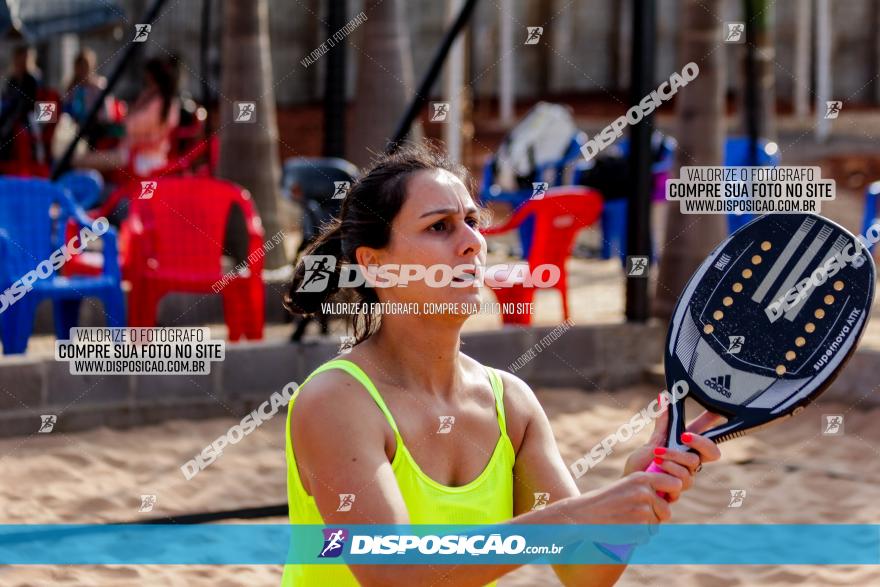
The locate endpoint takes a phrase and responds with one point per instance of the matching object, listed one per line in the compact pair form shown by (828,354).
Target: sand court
(793,474)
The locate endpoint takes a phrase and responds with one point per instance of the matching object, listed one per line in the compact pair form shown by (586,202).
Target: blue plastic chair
(551,172)
(86,186)
(614,213)
(736,154)
(29,235)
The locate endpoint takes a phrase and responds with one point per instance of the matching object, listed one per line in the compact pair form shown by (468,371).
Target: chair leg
(66,315)
(143,304)
(255,318)
(244,308)
(300,329)
(16,326)
(234,307)
(564,291)
(114,307)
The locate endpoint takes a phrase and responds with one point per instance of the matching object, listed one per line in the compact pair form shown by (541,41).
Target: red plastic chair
(174,243)
(559,215)
(90,263)
(23,163)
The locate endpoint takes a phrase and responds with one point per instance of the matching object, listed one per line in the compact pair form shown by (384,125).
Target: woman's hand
(631,500)
(681,464)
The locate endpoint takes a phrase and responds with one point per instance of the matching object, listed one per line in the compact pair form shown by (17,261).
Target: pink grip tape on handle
(655,468)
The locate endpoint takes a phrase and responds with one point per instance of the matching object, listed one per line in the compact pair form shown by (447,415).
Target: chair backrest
(183,224)
(312,182)
(559,216)
(313,177)
(85,185)
(736,152)
(26,210)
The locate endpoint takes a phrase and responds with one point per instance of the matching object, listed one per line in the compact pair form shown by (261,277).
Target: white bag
(542,136)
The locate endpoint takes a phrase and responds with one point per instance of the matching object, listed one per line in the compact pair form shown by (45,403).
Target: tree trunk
(385,81)
(700,108)
(249,151)
(763,24)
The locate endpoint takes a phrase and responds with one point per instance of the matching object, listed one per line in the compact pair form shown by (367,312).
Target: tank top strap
(498,391)
(364,379)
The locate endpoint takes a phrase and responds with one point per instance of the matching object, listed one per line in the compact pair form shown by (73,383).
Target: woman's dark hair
(165,77)
(365,220)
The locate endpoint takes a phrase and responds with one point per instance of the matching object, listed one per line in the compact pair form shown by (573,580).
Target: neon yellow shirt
(488,499)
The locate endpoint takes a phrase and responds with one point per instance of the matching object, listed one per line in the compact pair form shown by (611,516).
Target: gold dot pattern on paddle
(737,287)
(810,327)
(708,329)
(819,313)
(727,301)
(780,369)
(829,299)
(800,341)
(718,315)
(746,273)
(765,246)
(790,356)
(756,260)
(838,285)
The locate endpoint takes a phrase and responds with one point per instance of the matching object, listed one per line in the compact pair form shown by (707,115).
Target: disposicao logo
(334,542)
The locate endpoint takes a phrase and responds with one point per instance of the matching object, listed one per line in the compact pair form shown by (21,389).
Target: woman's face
(436,226)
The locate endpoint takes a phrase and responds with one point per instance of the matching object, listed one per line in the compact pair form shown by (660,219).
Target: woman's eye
(472,222)
(441,224)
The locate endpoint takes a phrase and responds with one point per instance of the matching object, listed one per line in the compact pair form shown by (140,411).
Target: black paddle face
(753,336)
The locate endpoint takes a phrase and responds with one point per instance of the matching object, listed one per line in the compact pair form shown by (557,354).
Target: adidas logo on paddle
(721,384)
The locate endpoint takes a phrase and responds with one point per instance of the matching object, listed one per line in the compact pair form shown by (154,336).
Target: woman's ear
(367,257)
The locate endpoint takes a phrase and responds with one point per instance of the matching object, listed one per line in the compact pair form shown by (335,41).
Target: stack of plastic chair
(736,154)
(558,216)
(614,211)
(30,232)
(318,186)
(551,173)
(173,242)
(870,215)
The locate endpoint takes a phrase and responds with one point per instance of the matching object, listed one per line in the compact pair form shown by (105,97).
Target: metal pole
(114,77)
(638,241)
(752,92)
(823,68)
(453,92)
(802,42)
(424,91)
(508,60)
(204,66)
(334,83)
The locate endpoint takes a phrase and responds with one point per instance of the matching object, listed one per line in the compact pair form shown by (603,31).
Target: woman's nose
(472,241)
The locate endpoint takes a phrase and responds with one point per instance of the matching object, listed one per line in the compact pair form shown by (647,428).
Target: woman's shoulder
(334,400)
(520,403)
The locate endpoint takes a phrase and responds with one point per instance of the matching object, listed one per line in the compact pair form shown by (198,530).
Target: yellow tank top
(488,499)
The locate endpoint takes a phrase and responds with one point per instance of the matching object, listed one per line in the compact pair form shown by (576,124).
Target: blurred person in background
(17,101)
(83,90)
(148,125)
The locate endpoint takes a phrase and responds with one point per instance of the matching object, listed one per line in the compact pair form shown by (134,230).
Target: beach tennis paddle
(765,325)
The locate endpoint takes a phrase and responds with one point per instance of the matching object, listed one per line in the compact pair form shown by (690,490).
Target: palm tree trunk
(700,107)
(249,151)
(385,80)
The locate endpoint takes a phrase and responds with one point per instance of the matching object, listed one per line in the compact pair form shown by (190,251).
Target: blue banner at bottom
(275,544)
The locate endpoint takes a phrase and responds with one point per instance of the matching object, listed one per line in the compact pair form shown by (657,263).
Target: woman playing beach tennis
(364,439)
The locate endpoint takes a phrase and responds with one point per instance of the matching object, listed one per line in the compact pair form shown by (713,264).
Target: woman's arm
(540,469)
(343,451)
